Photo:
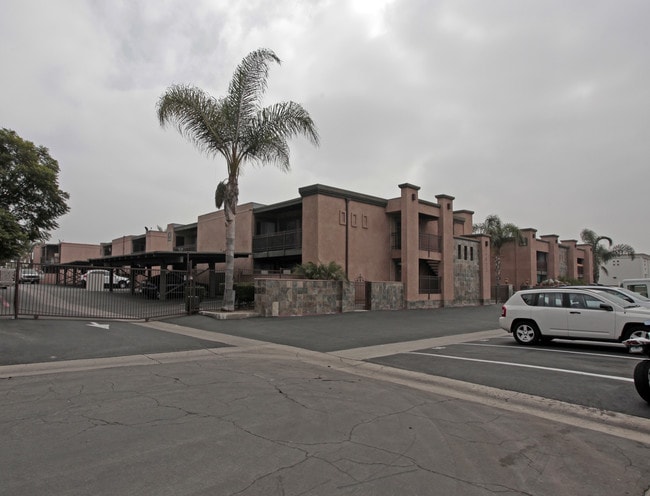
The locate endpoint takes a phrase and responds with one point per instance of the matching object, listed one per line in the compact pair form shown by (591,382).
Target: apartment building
(625,267)
(534,260)
(426,245)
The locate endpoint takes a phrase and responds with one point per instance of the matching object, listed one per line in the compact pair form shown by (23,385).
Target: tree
(602,254)
(500,234)
(30,198)
(239,129)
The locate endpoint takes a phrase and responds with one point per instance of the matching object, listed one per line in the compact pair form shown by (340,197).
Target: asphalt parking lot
(375,403)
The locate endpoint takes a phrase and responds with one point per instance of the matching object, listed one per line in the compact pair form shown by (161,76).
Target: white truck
(641,286)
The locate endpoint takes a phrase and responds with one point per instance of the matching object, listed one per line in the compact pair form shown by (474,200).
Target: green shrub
(244,294)
(330,271)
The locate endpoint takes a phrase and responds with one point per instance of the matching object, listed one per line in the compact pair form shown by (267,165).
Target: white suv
(543,314)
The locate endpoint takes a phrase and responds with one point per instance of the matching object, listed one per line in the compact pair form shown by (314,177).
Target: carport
(185,260)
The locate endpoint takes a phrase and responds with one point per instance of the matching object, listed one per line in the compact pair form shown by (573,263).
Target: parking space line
(626,357)
(369,352)
(523,365)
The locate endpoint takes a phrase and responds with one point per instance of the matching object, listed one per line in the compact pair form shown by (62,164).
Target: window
(529,299)
(549,300)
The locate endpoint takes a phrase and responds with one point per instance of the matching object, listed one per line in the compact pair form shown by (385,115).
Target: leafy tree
(603,254)
(239,129)
(30,198)
(331,271)
(500,234)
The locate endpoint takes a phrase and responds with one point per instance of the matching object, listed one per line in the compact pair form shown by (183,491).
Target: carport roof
(163,258)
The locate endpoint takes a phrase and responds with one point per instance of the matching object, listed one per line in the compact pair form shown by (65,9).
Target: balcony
(187,247)
(429,285)
(429,243)
(277,244)
(426,242)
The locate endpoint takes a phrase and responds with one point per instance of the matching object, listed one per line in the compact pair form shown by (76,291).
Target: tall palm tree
(241,130)
(500,234)
(602,254)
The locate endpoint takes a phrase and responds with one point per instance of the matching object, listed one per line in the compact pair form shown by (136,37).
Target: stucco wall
(211,230)
(366,228)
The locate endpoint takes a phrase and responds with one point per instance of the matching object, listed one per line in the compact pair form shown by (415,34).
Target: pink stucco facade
(424,243)
(65,253)
(535,260)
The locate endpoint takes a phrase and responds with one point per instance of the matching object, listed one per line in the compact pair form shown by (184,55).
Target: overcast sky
(536,111)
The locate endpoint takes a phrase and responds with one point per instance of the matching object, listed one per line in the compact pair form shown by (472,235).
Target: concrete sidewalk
(256,418)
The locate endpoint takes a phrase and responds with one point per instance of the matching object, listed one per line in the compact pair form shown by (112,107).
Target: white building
(624,267)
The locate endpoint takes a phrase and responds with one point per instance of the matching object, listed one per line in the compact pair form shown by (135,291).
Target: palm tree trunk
(497,270)
(230,207)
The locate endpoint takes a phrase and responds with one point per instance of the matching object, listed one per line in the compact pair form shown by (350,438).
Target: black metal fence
(106,292)
(429,285)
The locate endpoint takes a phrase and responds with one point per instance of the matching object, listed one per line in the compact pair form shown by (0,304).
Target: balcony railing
(430,242)
(281,241)
(430,285)
(396,241)
(187,247)
(426,242)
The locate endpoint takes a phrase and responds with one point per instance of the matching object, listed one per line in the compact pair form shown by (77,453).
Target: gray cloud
(535,111)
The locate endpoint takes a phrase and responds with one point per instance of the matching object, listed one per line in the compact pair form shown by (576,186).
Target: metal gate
(361,294)
(75,291)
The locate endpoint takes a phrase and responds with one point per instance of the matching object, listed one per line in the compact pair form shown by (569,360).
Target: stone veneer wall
(298,297)
(467,283)
(386,295)
(564,261)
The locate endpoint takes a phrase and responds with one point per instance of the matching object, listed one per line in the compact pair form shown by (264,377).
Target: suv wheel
(637,332)
(526,332)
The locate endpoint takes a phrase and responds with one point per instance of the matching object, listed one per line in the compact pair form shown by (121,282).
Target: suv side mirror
(607,308)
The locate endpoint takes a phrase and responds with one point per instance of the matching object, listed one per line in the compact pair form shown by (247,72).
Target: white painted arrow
(101,326)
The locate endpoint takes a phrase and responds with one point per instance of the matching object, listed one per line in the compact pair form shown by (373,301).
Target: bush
(330,271)
(244,294)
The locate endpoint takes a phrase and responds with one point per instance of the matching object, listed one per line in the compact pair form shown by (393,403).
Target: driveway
(216,412)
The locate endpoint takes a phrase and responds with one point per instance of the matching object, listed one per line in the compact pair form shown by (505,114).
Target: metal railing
(426,242)
(107,293)
(430,285)
(429,242)
(186,247)
(281,241)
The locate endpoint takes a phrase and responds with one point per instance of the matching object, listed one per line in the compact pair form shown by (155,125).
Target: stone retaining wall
(298,297)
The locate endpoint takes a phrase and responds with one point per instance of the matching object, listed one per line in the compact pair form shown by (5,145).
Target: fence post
(16,287)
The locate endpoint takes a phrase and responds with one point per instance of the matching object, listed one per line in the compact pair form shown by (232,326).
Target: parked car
(174,286)
(118,281)
(31,276)
(625,294)
(538,315)
(641,286)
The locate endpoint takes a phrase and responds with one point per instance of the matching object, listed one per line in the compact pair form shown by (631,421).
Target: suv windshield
(615,299)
